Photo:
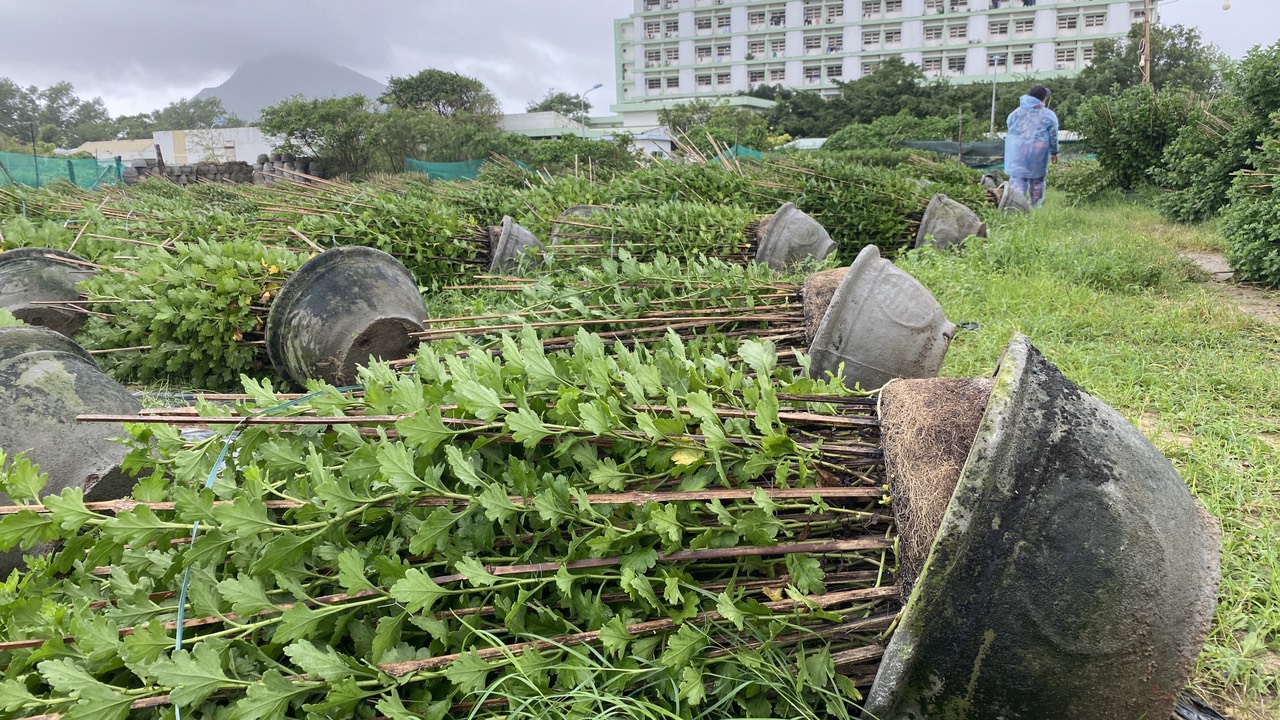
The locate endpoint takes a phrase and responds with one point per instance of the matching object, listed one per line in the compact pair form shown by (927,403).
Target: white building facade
(686,49)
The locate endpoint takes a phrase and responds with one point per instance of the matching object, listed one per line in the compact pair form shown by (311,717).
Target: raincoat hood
(1028,102)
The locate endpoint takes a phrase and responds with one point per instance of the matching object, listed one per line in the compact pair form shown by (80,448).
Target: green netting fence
(34,171)
(741,153)
(465,170)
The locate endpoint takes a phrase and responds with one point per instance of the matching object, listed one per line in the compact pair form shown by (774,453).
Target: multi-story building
(673,50)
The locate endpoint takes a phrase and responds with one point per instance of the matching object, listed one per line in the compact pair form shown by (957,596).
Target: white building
(183,147)
(672,50)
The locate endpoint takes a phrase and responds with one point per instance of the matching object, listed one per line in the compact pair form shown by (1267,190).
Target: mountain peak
(268,80)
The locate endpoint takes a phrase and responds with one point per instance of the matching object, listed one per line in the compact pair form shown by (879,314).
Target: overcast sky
(139,55)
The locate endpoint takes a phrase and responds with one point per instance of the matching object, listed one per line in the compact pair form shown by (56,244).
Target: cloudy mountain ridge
(260,83)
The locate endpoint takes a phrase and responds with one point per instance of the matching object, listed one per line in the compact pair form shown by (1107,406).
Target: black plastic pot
(46,380)
(30,277)
(947,223)
(341,309)
(1073,577)
(791,236)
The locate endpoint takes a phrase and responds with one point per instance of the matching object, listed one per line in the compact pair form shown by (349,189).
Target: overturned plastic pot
(947,223)
(46,380)
(343,308)
(882,324)
(1073,575)
(508,243)
(1012,201)
(30,278)
(790,236)
(562,228)
(990,181)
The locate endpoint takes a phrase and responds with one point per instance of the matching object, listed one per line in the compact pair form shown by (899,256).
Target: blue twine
(220,463)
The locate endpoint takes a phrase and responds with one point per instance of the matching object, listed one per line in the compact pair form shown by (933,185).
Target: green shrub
(1251,224)
(1084,180)
(1130,132)
(889,131)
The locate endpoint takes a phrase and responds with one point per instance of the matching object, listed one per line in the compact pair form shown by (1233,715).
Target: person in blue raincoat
(1030,145)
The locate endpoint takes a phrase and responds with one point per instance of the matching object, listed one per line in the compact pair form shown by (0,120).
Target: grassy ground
(1102,292)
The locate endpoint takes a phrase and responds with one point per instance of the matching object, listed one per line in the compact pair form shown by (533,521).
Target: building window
(1065,55)
(722,78)
(892,36)
(812,15)
(654,83)
(835,44)
(650,5)
(1139,16)
(933,7)
(704,80)
(778,18)
(755,18)
(778,75)
(999,27)
(893,6)
(835,72)
(778,47)
(932,32)
(755,47)
(933,64)
(673,82)
(723,22)
(702,23)
(651,29)
(673,28)
(702,53)
(1086,54)
(1095,20)
(673,56)
(870,8)
(835,13)
(959,5)
(755,76)
(870,38)
(955,64)
(813,42)
(1068,22)
(958,32)
(869,68)
(722,53)
(652,58)
(812,74)
(997,59)
(1022,57)
(1024,26)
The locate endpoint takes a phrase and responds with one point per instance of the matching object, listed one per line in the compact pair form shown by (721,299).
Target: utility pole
(1147,7)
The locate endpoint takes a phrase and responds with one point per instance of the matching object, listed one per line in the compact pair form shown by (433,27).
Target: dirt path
(1261,304)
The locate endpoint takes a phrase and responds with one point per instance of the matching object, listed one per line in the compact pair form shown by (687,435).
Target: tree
(568,104)
(893,86)
(55,113)
(445,93)
(332,130)
(1179,58)
(191,114)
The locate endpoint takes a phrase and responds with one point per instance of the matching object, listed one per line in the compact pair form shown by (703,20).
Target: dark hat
(1039,92)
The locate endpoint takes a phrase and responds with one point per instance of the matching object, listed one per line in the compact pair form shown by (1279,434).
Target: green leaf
(26,529)
(296,623)
(14,696)
(806,573)
(194,676)
(596,417)
(351,571)
(537,368)
(324,663)
(22,481)
(761,357)
(146,644)
(268,700)
(615,638)
(417,591)
(462,468)
(526,427)
(665,520)
(477,399)
(468,673)
(728,610)
(497,504)
(433,533)
(246,595)
(68,510)
(244,516)
(687,643)
(474,572)
(425,431)
(387,635)
(396,463)
(701,407)
(692,688)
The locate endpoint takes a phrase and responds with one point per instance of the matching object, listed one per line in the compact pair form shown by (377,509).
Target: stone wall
(267,169)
